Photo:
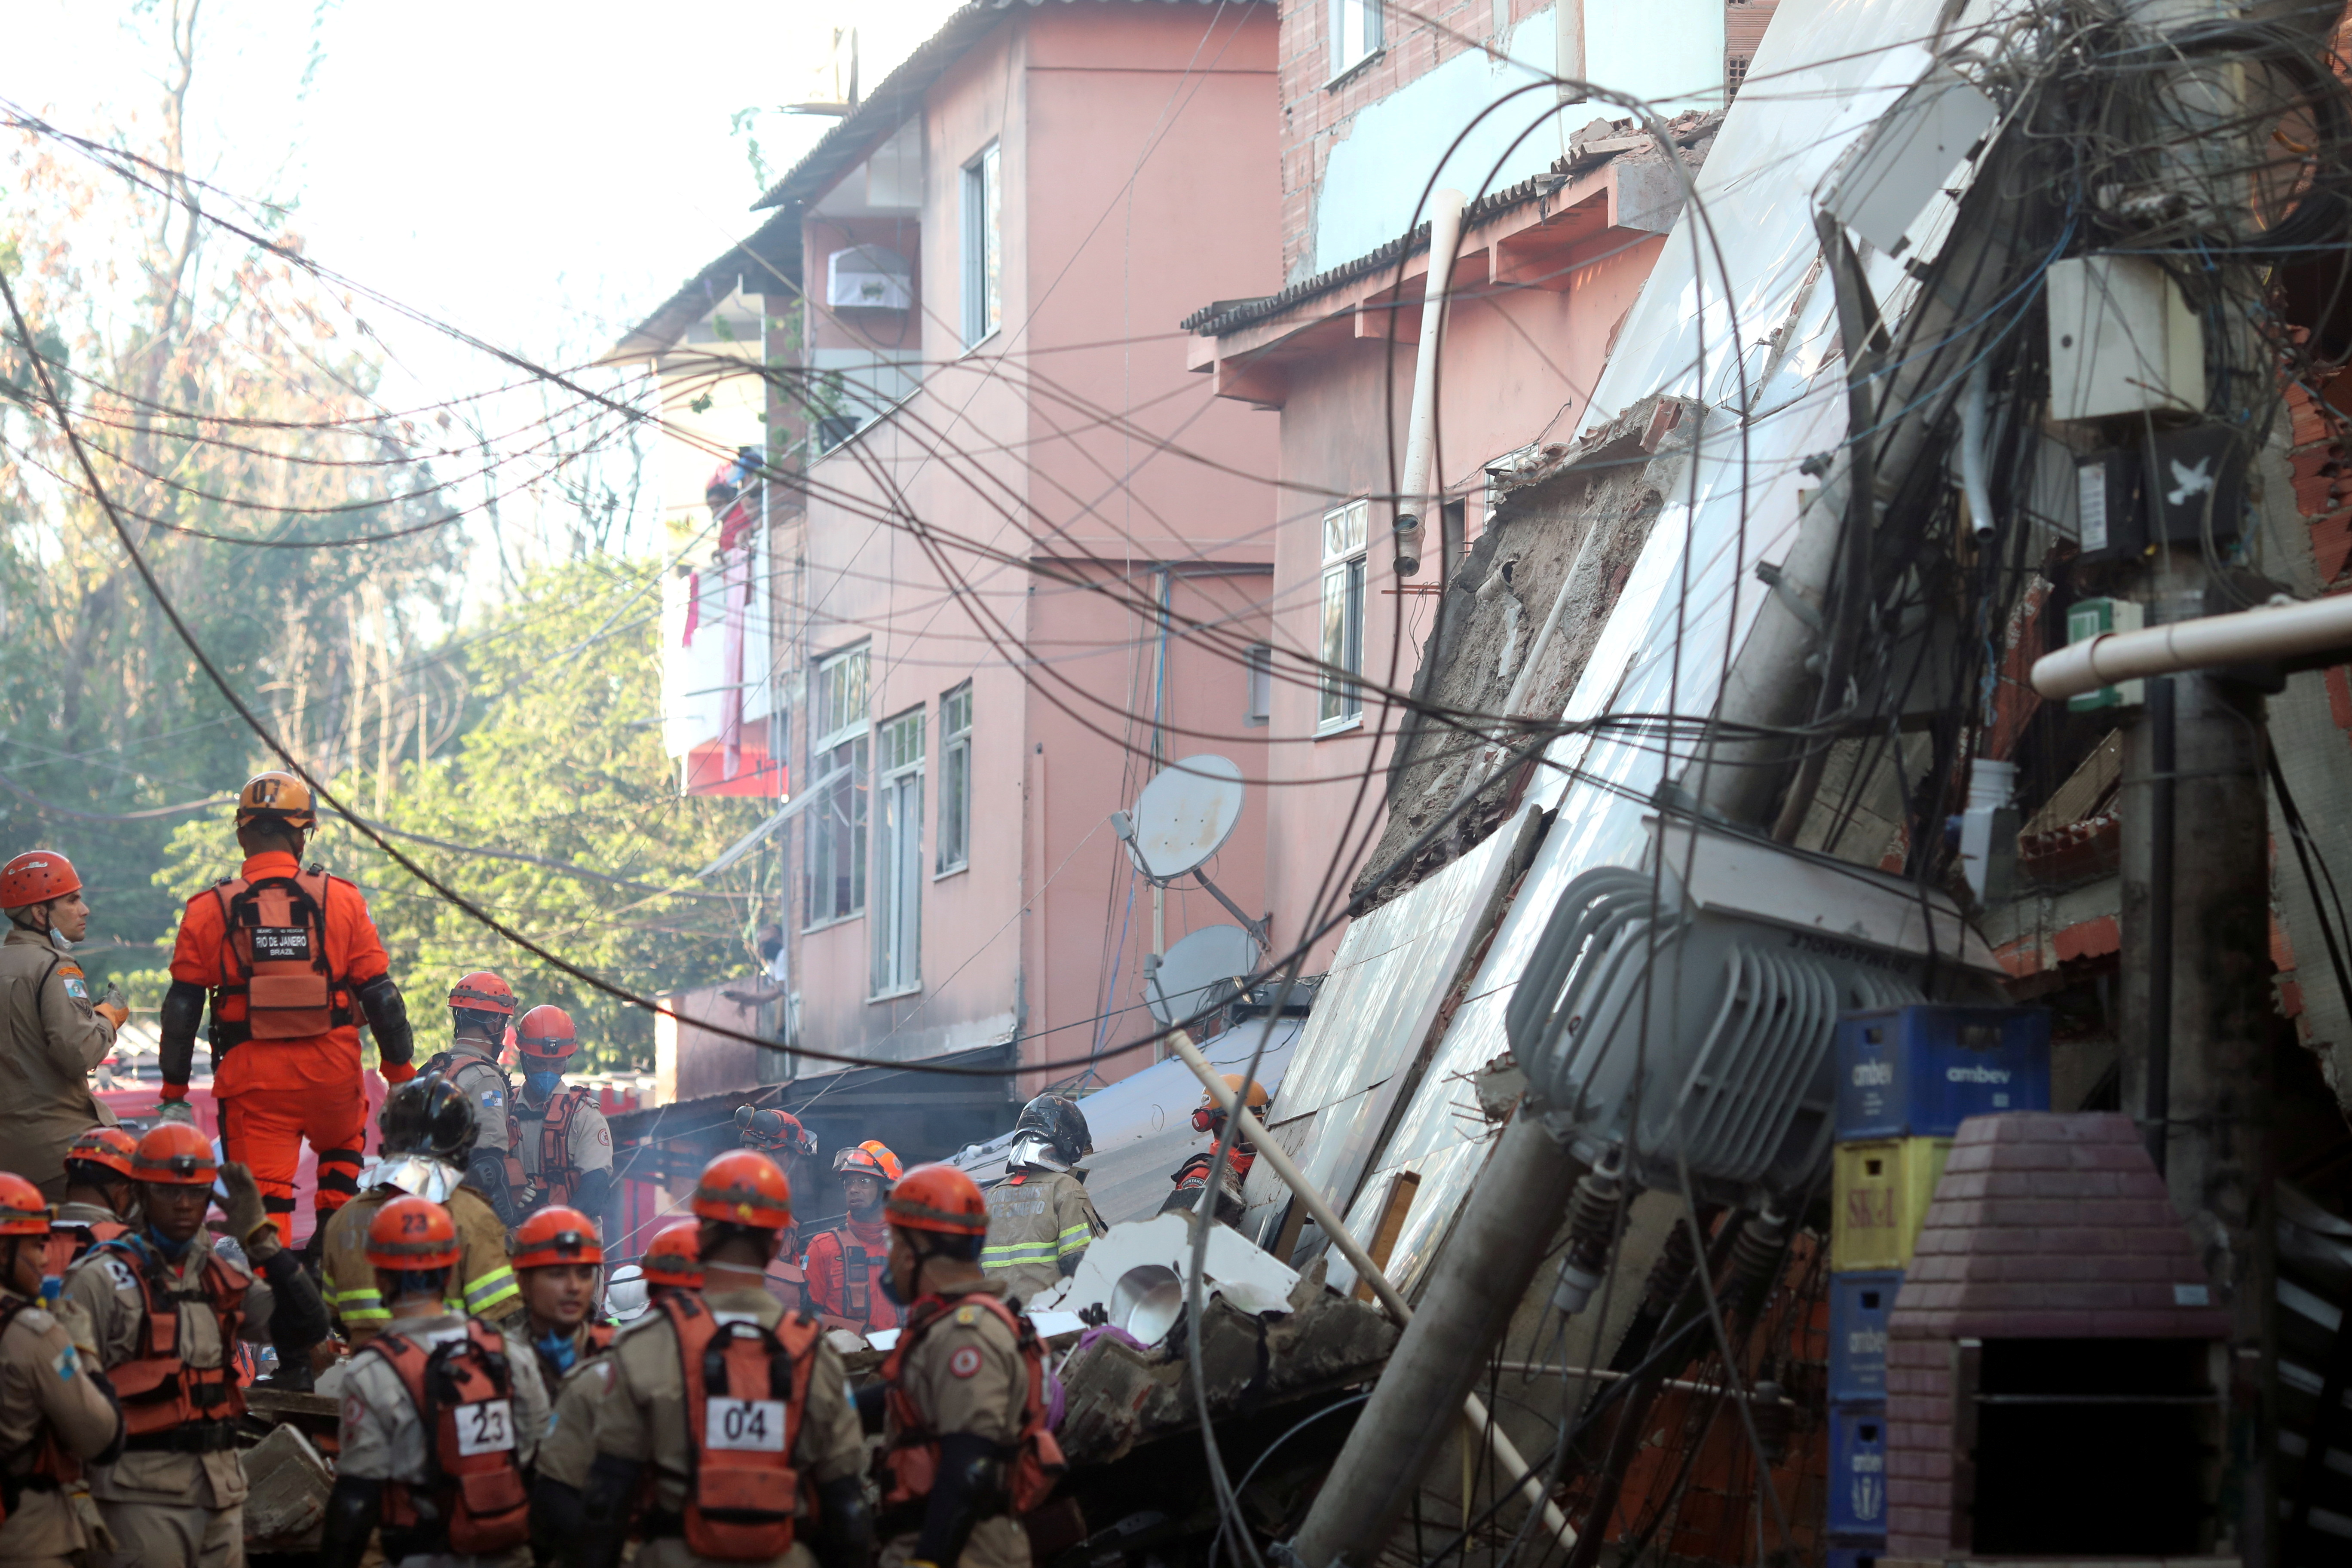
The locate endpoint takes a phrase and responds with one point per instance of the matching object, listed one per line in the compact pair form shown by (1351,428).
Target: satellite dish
(1185,814)
(1204,971)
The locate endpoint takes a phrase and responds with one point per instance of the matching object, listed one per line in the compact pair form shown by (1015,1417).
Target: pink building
(1021,560)
(1568,208)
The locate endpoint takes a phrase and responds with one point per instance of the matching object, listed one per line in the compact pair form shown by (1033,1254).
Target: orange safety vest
(464,1393)
(67,1243)
(746,1390)
(158,1391)
(278,940)
(911,1463)
(52,1466)
(557,1176)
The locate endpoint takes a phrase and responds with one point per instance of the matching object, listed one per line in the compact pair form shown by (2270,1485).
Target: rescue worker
(703,1473)
(966,1449)
(845,1267)
(559,1260)
(441,1417)
(1193,1175)
(479,1006)
(672,1261)
(54,1413)
(780,1135)
(426,1135)
(166,1312)
(100,1202)
(1039,1219)
(291,961)
(557,1133)
(56,1033)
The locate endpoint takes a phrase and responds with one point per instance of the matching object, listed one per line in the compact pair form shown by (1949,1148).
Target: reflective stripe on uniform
(1075,1239)
(1012,1252)
(359,1306)
(491,1287)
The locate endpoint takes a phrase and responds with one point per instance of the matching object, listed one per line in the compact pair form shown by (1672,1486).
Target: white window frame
(1358,34)
(840,719)
(1258,704)
(955,781)
(983,246)
(898,896)
(1339,632)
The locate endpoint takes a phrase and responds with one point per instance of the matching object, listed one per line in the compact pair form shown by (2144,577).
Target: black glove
(353,1510)
(845,1530)
(968,1488)
(183,1012)
(387,1017)
(487,1170)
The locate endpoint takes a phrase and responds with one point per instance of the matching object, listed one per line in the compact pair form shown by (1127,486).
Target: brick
(1919,1465)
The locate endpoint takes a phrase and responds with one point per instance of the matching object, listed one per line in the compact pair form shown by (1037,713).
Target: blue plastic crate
(1859,1303)
(1858,1468)
(1920,1071)
(1857,1554)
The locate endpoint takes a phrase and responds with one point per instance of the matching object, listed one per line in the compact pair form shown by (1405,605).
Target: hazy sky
(541,173)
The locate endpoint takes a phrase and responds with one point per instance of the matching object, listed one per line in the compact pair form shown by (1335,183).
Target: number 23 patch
(965,1361)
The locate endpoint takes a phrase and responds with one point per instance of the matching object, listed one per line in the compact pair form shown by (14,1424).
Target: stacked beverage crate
(1907,1077)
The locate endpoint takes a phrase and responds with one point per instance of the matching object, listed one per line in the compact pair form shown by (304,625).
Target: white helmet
(625,1297)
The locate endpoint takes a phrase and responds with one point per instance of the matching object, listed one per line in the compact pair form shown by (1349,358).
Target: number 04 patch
(753,1426)
(965,1361)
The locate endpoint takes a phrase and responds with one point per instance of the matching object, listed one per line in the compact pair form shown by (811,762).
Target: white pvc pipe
(1413,498)
(1974,398)
(2275,631)
(1507,1458)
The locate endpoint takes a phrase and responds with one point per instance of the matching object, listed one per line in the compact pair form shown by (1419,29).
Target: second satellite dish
(1185,815)
(1204,971)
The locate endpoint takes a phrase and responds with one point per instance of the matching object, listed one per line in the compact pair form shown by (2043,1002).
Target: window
(1357,34)
(898,855)
(837,749)
(983,246)
(1260,684)
(955,779)
(1343,614)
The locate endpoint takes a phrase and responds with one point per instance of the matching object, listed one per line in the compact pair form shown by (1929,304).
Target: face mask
(540,1085)
(559,1347)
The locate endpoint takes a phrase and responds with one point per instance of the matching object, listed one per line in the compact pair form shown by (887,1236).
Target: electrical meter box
(2122,339)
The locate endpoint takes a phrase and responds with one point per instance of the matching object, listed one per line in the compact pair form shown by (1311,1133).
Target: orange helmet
(174,1155)
(545,1034)
(277,797)
(483,992)
(674,1257)
(111,1147)
(1208,1115)
(23,1210)
(743,1186)
(413,1233)
(555,1235)
(938,1197)
(868,1159)
(773,1132)
(35,878)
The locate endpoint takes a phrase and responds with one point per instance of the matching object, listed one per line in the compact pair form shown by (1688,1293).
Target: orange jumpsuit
(273,1094)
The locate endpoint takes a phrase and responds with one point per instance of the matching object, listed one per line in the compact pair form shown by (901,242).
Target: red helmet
(868,1159)
(545,1034)
(674,1257)
(938,1197)
(35,878)
(276,796)
(111,1147)
(23,1210)
(483,992)
(774,1131)
(174,1155)
(413,1233)
(743,1186)
(555,1235)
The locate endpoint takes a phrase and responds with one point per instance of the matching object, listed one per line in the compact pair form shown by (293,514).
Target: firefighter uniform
(631,1404)
(53,1418)
(383,1436)
(558,1144)
(78,1227)
(277,1092)
(486,1282)
(964,1373)
(844,1271)
(473,1065)
(1040,1222)
(176,1495)
(54,1037)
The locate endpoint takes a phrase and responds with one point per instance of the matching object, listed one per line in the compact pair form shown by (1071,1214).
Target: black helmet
(1057,1119)
(428,1115)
